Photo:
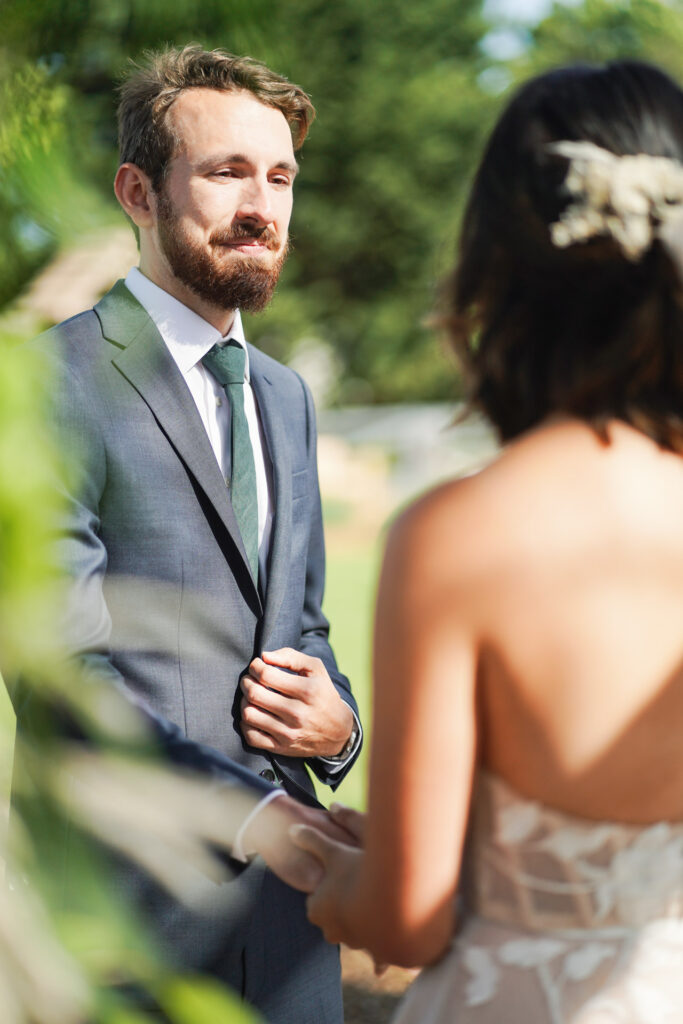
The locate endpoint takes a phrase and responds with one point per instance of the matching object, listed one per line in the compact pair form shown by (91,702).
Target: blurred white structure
(422,443)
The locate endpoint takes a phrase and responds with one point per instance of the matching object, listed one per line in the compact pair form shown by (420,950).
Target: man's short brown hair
(145,137)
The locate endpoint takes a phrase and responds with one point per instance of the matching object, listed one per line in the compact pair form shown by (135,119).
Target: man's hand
(268,835)
(290,706)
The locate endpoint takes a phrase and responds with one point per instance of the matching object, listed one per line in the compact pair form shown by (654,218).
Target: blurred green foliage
(599,30)
(405,95)
(23,573)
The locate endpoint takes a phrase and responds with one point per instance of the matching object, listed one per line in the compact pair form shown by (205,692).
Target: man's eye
(225,172)
(281,179)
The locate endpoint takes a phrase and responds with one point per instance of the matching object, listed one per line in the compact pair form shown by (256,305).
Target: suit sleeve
(314,627)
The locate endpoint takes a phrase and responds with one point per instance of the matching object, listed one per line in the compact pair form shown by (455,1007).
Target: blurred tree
(405,95)
(400,115)
(602,30)
(45,201)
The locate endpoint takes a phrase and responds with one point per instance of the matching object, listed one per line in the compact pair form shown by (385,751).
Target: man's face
(224,208)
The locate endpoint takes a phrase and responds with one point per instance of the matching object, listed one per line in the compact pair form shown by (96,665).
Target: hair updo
(581,330)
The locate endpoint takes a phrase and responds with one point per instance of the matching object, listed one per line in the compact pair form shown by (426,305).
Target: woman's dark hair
(581,330)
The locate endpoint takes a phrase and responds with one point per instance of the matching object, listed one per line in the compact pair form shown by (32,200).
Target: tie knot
(226,363)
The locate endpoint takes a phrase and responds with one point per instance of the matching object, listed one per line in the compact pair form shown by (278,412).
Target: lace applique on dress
(569,921)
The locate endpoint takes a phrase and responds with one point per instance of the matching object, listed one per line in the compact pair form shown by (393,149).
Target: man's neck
(221,319)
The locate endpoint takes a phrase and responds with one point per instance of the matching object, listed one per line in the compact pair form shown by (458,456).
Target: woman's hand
(330,905)
(351,821)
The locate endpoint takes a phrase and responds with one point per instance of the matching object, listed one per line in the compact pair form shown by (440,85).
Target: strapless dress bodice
(539,868)
(564,920)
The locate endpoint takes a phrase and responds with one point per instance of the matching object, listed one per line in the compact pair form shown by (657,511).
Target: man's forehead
(199,111)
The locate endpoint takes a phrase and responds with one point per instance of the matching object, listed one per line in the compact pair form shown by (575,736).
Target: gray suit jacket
(163,597)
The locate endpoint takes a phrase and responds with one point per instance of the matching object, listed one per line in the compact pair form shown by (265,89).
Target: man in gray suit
(194,535)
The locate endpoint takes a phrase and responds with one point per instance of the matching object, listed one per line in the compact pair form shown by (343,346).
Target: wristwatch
(349,746)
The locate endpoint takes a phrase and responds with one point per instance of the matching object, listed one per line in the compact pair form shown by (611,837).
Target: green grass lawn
(349,604)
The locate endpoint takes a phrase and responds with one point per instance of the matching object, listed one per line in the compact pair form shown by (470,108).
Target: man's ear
(135,193)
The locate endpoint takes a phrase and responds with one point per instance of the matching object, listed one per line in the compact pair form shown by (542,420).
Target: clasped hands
(290,836)
(316,851)
(336,904)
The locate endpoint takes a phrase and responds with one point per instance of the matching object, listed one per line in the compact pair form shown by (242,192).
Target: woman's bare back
(577,573)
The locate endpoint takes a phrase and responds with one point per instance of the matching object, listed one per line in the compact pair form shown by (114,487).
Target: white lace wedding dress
(570,922)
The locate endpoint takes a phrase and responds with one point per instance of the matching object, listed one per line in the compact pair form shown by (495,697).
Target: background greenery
(406,93)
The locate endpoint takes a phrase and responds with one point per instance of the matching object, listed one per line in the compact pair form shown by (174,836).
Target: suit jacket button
(268,774)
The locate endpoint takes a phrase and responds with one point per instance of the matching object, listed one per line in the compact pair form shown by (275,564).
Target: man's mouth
(249,245)
(252,245)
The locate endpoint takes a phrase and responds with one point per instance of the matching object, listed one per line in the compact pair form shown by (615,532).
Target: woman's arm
(397,899)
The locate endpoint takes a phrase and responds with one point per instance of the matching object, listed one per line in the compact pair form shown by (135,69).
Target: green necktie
(227,363)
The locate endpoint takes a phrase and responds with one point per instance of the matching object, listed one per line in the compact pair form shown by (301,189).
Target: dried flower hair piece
(627,198)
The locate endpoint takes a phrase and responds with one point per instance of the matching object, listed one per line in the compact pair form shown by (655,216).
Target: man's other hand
(268,835)
(290,706)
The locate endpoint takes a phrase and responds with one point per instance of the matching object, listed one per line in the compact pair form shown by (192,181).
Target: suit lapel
(274,429)
(146,363)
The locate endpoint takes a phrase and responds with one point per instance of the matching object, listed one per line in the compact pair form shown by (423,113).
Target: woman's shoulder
(532,491)
(535,461)
(556,489)
(443,540)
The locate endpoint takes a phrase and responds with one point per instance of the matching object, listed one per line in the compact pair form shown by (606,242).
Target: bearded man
(194,536)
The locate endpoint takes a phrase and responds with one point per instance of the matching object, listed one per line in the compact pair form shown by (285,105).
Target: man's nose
(256,202)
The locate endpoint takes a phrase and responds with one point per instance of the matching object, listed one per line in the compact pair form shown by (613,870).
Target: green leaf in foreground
(202,1001)
(121,1016)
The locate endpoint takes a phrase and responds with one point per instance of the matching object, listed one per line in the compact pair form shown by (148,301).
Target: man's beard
(225,281)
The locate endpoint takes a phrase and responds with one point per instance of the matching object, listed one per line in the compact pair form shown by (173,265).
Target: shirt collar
(187,336)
